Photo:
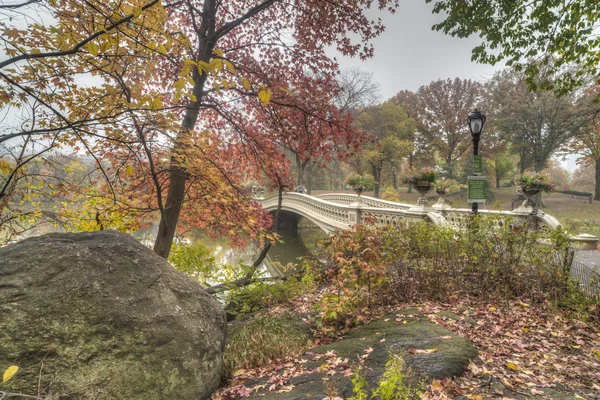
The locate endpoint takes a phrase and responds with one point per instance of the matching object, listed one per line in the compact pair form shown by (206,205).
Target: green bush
(262,340)
(262,295)
(365,182)
(194,260)
(395,383)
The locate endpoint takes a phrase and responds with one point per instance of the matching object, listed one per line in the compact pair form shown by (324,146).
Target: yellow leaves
(229,66)
(129,170)
(203,67)
(247,84)
(161,49)
(5,167)
(218,52)
(264,95)
(137,12)
(437,385)
(215,65)
(512,366)
(152,45)
(180,84)
(92,48)
(191,96)
(156,103)
(9,373)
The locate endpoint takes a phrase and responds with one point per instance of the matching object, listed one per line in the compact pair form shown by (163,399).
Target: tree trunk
(299,170)
(309,177)
(539,166)
(377,176)
(497,172)
(597,190)
(410,165)
(177,174)
(522,155)
(394,179)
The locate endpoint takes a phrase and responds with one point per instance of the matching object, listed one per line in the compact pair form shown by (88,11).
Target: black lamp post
(475,120)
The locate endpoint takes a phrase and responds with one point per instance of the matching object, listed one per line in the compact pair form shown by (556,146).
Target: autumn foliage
(177,104)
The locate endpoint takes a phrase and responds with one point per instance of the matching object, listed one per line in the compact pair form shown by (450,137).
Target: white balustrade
(342,210)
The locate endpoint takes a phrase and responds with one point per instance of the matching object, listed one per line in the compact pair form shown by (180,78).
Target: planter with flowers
(443,187)
(422,181)
(361,183)
(530,186)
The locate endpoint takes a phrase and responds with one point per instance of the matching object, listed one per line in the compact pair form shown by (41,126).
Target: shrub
(194,260)
(489,260)
(262,294)
(262,340)
(395,383)
(353,268)
(391,194)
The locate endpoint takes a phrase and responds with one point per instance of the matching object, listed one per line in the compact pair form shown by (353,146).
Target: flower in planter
(538,181)
(424,175)
(361,183)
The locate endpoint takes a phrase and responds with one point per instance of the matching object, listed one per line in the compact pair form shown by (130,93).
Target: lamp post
(475,120)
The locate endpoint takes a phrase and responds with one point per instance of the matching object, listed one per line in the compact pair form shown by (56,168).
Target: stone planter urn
(529,204)
(441,203)
(423,187)
(529,193)
(359,189)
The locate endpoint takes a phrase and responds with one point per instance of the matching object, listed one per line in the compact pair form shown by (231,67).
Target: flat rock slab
(429,350)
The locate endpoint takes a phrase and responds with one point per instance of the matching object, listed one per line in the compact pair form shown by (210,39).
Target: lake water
(293,247)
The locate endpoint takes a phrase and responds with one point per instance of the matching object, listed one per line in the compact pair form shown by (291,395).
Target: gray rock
(99,316)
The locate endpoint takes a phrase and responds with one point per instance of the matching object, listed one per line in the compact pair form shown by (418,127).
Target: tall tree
(390,132)
(536,123)
(442,109)
(587,143)
(184,95)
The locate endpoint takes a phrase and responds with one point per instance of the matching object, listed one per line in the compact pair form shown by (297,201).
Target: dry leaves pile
(524,347)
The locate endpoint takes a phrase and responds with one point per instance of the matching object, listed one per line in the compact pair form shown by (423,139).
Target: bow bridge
(342,210)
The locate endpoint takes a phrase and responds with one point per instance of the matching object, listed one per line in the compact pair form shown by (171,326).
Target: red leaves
(525,347)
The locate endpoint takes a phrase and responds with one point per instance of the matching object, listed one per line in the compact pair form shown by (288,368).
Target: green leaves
(554,33)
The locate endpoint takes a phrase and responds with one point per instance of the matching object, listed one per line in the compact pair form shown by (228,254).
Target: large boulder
(99,316)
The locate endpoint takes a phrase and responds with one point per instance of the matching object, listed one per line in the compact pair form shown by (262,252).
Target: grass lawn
(575,213)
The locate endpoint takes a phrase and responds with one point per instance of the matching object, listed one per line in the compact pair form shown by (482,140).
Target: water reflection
(296,244)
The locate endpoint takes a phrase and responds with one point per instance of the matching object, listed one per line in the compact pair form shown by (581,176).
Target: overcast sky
(409,54)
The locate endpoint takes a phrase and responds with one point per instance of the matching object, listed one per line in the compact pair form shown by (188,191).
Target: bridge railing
(330,215)
(342,210)
(347,198)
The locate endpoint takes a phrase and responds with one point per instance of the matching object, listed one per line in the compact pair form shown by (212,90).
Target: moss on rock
(99,316)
